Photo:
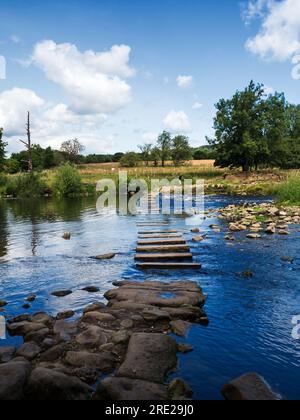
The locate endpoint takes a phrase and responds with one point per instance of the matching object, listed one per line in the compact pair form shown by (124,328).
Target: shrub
(67,181)
(289,191)
(25,186)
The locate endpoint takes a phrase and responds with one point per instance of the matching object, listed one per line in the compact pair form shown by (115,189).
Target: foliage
(289,191)
(67,181)
(164,142)
(130,160)
(181,151)
(146,151)
(2,149)
(25,186)
(253,130)
(72,150)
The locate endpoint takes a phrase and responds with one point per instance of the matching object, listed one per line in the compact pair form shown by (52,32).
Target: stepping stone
(171,256)
(163,235)
(157,232)
(163,248)
(163,242)
(169,266)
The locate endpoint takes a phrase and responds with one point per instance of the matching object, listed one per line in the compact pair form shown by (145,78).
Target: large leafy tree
(2,149)
(239,124)
(181,150)
(164,143)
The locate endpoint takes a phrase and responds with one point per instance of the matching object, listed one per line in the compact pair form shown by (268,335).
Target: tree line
(254,130)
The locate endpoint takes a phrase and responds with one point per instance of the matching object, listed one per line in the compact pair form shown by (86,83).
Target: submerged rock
(91,289)
(179,390)
(180,328)
(105,256)
(62,293)
(2,303)
(185,348)
(65,315)
(250,387)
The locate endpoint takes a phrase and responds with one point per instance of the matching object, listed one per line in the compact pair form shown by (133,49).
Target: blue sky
(175,60)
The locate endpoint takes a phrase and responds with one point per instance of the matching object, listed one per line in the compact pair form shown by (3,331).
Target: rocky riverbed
(128,340)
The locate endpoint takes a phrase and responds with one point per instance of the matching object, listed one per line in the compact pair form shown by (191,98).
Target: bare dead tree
(28,143)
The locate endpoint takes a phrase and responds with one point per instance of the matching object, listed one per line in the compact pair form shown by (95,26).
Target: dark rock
(29,351)
(2,303)
(26,306)
(149,357)
(42,318)
(105,256)
(24,328)
(37,336)
(185,348)
(13,377)
(54,353)
(250,387)
(95,317)
(92,337)
(94,307)
(120,337)
(50,385)
(180,328)
(125,389)
(63,327)
(91,289)
(61,293)
(155,314)
(67,236)
(31,298)
(6,354)
(127,324)
(20,318)
(289,260)
(65,315)
(179,390)
(83,359)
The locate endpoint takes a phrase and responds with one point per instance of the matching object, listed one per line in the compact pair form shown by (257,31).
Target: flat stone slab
(161,236)
(157,232)
(125,389)
(162,242)
(150,357)
(169,266)
(249,387)
(167,297)
(163,248)
(166,256)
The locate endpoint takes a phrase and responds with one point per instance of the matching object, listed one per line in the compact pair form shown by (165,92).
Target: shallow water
(250,318)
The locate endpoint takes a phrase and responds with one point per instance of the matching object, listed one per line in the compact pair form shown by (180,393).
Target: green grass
(289,191)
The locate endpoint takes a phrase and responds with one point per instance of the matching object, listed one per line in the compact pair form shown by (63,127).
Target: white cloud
(177,122)
(93,81)
(197,105)
(279,34)
(14,105)
(184,82)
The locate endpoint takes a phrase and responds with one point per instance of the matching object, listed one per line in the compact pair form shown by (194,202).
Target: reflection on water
(250,318)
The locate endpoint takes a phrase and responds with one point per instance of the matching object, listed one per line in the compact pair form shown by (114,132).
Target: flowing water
(250,318)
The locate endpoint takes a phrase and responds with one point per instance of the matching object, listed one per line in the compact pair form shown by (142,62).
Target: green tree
(2,149)
(72,150)
(164,142)
(67,181)
(181,150)
(239,126)
(130,160)
(146,150)
(155,156)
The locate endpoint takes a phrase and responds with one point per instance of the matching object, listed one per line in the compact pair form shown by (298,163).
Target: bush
(130,160)
(289,191)
(67,181)
(25,186)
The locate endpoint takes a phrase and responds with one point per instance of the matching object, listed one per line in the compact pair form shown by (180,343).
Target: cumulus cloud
(13,107)
(51,124)
(279,35)
(177,122)
(94,82)
(184,82)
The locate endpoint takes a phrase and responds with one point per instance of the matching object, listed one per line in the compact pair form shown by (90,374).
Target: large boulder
(249,387)
(50,385)
(125,389)
(6,354)
(149,357)
(13,377)
(29,350)
(24,328)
